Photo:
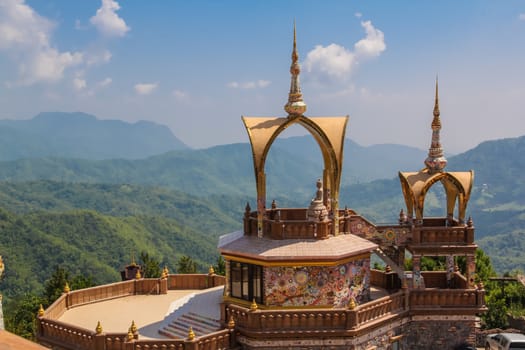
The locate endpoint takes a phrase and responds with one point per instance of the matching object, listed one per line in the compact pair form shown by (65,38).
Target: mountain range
(80,135)
(179,201)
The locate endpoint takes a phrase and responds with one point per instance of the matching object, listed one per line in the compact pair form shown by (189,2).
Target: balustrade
(61,334)
(446,298)
(319,320)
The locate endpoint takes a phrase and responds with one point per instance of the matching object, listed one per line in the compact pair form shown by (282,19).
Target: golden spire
(41,311)
(133,327)
(231,322)
(436,122)
(137,275)
(295,106)
(98,329)
(211,270)
(66,288)
(253,306)
(191,334)
(436,160)
(130,335)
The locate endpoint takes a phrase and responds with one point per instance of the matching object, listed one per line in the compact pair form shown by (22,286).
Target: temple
(301,278)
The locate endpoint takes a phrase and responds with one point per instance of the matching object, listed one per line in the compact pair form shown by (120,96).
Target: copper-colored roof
(12,341)
(315,250)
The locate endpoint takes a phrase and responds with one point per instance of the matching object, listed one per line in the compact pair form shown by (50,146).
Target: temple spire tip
(295,106)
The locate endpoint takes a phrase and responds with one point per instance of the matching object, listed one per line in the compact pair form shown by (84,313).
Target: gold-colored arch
(329,133)
(415,185)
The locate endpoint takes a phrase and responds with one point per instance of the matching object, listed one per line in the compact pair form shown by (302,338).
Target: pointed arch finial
(436,160)
(436,106)
(295,106)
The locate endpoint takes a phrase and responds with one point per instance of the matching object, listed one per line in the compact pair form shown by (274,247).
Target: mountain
(292,168)
(360,163)
(80,135)
(91,244)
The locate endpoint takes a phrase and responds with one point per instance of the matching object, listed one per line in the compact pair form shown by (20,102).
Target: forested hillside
(88,243)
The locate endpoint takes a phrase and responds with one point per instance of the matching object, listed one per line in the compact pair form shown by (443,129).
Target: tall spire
(436,161)
(295,106)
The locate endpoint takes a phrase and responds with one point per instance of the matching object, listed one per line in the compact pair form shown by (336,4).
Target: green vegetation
(21,311)
(92,244)
(185,264)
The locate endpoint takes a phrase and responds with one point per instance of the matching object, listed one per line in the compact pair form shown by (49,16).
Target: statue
(317,210)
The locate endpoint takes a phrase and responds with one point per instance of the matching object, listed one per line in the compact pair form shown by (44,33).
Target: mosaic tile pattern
(330,286)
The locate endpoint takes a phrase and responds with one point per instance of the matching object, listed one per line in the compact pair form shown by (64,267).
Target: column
(450,270)
(417,279)
(471,270)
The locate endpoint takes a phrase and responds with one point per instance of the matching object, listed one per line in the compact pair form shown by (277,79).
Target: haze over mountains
(80,135)
(64,179)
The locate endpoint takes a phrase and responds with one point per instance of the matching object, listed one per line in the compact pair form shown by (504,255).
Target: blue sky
(197,66)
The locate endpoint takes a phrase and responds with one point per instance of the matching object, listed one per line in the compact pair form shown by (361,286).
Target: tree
(185,264)
(54,286)
(21,314)
(150,266)
(220,266)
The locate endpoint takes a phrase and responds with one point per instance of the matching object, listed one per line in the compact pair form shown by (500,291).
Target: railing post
(100,341)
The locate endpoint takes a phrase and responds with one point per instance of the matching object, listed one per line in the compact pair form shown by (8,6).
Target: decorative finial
(133,327)
(41,311)
(470,222)
(2,266)
(351,304)
(211,270)
(130,335)
(137,275)
(436,161)
(231,322)
(98,329)
(164,273)
(66,288)
(191,334)
(295,106)
(133,263)
(253,306)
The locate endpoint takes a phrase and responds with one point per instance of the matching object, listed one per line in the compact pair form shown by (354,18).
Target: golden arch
(458,186)
(329,132)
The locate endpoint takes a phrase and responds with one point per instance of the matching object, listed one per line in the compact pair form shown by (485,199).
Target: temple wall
(318,285)
(440,332)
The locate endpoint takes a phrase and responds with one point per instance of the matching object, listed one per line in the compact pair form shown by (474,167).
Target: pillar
(471,270)
(450,270)
(417,279)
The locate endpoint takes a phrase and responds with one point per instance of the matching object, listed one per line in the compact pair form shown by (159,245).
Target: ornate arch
(458,186)
(328,132)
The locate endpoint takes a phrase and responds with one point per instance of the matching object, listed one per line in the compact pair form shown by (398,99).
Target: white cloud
(145,88)
(521,16)
(249,84)
(333,61)
(336,63)
(107,21)
(374,42)
(26,37)
(105,82)
(79,83)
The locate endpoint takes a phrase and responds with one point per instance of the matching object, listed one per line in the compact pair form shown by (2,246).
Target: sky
(198,66)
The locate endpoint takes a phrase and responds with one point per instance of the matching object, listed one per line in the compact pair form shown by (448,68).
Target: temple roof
(313,251)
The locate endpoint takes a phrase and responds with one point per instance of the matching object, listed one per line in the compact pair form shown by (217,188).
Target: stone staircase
(201,325)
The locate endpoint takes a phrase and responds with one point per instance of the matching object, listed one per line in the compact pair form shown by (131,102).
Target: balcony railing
(333,321)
